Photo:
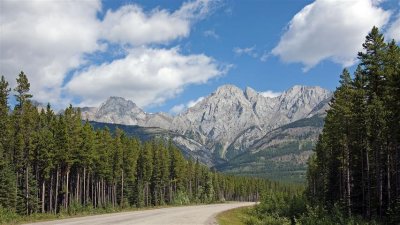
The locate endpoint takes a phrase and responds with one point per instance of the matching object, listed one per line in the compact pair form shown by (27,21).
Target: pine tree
(392,104)
(7,175)
(23,87)
(356,160)
(25,115)
(4,115)
(130,156)
(177,170)
(86,154)
(44,154)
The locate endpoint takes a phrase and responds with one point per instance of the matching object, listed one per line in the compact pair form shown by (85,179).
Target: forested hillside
(55,163)
(281,154)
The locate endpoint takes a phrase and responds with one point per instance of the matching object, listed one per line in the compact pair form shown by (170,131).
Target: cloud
(327,29)
(46,39)
(181,107)
(270,94)
(194,102)
(50,40)
(148,76)
(211,33)
(393,32)
(130,24)
(264,57)
(177,109)
(250,51)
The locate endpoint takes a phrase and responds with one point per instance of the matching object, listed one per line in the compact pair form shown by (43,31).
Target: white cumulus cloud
(176,109)
(393,32)
(250,51)
(130,24)
(211,33)
(147,76)
(270,94)
(329,29)
(194,102)
(46,39)
(49,40)
(181,107)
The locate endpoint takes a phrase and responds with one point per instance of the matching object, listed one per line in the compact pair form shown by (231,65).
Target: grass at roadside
(235,216)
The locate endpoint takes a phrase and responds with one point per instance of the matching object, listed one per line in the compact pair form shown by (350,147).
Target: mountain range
(234,130)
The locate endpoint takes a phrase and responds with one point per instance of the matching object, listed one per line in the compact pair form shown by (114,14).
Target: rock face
(230,120)
(117,110)
(280,154)
(218,119)
(226,123)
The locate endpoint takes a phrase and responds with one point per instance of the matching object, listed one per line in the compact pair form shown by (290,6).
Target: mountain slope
(281,154)
(230,120)
(234,130)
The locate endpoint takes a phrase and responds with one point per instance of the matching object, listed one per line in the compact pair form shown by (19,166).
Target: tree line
(356,165)
(51,163)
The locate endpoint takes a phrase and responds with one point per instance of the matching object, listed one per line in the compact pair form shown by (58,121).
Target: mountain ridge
(230,122)
(229,119)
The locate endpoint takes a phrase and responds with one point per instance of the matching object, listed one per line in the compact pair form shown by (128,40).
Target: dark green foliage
(355,169)
(56,164)
(354,175)
(22,89)
(290,207)
(7,187)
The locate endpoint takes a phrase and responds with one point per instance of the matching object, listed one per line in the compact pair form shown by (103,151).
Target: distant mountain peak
(228,89)
(228,120)
(119,101)
(116,98)
(302,88)
(250,93)
(119,110)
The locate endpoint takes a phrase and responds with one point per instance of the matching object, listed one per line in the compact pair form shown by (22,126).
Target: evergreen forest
(357,158)
(58,164)
(353,176)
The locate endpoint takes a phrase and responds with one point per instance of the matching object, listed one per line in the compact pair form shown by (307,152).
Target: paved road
(201,214)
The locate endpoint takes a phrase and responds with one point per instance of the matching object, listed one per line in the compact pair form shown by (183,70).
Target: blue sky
(164,55)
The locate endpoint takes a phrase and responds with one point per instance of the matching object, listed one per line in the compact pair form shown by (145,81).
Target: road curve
(185,215)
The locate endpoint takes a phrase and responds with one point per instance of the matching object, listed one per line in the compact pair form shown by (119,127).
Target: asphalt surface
(185,215)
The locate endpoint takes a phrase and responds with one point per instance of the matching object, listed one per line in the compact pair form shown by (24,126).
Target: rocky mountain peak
(299,101)
(299,90)
(228,90)
(120,104)
(227,121)
(119,110)
(251,94)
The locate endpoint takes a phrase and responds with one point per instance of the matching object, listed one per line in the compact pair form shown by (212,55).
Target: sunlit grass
(235,216)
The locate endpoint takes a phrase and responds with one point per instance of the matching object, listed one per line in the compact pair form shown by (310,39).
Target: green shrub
(275,220)
(181,198)
(7,216)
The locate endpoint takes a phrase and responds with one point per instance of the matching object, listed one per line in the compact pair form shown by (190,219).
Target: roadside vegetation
(235,216)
